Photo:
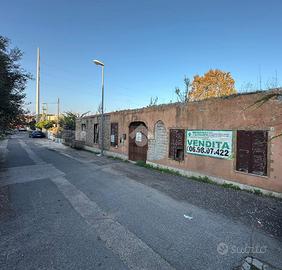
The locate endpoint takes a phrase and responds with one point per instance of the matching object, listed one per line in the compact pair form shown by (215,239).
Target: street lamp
(99,63)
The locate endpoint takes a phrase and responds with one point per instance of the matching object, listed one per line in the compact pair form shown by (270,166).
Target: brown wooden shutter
(171,143)
(252,152)
(259,153)
(114,132)
(96,133)
(243,155)
(176,144)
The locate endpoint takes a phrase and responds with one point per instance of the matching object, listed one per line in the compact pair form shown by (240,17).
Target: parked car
(22,129)
(37,134)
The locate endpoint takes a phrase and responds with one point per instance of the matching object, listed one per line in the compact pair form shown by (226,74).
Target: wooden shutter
(252,151)
(114,132)
(96,133)
(171,143)
(259,153)
(244,145)
(176,144)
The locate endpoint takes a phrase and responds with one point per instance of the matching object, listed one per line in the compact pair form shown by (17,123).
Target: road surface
(67,209)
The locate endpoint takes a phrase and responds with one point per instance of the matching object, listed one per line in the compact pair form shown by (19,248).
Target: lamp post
(99,63)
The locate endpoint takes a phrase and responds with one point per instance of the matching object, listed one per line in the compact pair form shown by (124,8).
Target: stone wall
(88,135)
(158,146)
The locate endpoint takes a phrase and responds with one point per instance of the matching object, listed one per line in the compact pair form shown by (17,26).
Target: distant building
(28,118)
(220,138)
(49,117)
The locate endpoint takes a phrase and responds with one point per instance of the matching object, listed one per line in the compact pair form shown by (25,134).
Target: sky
(148,47)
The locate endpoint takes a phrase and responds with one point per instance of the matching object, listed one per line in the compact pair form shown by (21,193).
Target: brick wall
(229,113)
(88,135)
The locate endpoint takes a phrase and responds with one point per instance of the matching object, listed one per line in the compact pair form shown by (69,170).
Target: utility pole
(45,110)
(99,63)
(102,124)
(58,111)
(37,109)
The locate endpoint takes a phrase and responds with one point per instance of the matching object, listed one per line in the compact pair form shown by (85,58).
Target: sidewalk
(3,150)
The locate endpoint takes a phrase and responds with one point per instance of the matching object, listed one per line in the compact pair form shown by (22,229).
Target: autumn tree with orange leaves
(214,83)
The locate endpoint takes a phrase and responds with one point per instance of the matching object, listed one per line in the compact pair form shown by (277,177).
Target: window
(83,127)
(114,134)
(96,133)
(176,144)
(252,152)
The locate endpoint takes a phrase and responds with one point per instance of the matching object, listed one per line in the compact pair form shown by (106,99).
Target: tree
(68,120)
(248,87)
(32,124)
(153,101)
(13,80)
(47,124)
(214,83)
(183,96)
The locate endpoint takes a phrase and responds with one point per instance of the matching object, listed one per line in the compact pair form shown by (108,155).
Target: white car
(22,129)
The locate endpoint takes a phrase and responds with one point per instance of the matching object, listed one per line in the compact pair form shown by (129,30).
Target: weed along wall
(222,138)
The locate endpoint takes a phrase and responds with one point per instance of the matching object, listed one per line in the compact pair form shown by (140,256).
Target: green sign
(212,143)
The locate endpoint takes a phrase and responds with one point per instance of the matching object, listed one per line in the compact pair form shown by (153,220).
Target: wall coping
(180,104)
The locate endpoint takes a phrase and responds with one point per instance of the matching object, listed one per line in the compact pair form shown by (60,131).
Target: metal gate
(138,141)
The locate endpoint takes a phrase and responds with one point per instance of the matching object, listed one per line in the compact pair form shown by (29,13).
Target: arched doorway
(138,141)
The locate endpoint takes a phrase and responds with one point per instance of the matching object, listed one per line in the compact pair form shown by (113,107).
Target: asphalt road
(67,209)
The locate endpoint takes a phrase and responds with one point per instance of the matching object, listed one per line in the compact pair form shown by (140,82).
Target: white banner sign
(138,136)
(213,143)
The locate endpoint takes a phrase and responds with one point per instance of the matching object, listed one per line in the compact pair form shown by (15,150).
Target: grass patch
(117,158)
(203,179)
(159,169)
(229,185)
(257,192)
(141,163)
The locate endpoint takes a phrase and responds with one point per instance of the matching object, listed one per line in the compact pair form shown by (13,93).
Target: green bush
(45,124)
(257,192)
